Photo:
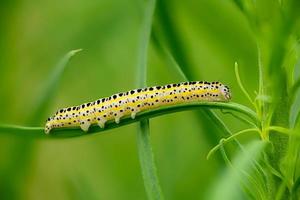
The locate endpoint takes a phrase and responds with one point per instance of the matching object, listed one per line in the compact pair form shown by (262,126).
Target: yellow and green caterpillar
(134,101)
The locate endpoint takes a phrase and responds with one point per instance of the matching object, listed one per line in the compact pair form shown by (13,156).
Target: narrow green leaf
(23,148)
(290,163)
(224,154)
(260,70)
(294,89)
(146,157)
(22,131)
(49,88)
(295,190)
(273,171)
(229,186)
(242,119)
(147,162)
(165,33)
(165,52)
(5,127)
(210,120)
(72,132)
(281,191)
(279,129)
(236,69)
(297,121)
(255,179)
(230,138)
(261,97)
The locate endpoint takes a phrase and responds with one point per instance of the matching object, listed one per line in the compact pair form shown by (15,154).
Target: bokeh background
(35,35)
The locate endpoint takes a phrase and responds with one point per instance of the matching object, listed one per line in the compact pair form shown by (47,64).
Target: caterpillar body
(131,102)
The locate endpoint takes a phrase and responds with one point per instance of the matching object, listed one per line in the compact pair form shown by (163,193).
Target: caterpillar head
(226,92)
(48,125)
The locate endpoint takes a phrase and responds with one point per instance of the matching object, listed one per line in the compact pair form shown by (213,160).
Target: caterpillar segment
(134,101)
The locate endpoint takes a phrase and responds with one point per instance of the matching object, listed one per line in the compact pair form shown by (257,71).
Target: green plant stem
(236,69)
(6,127)
(209,114)
(260,108)
(226,140)
(246,121)
(169,42)
(149,170)
(224,154)
(146,157)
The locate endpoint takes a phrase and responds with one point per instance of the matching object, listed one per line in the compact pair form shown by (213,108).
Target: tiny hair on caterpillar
(131,102)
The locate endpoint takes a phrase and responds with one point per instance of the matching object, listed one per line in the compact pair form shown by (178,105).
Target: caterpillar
(131,102)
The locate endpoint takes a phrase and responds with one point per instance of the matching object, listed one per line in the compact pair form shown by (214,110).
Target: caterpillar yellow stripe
(134,101)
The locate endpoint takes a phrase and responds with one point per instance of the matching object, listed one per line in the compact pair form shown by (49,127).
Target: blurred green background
(36,34)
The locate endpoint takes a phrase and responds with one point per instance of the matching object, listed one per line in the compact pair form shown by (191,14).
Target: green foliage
(146,157)
(25,146)
(71,132)
(50,86)
(237,176)
(251,45)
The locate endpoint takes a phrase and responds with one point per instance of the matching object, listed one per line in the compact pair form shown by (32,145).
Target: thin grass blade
(50,87)
(146,157)
(76,131)
(229,187)
(22,156)
(237,74)
(165,33)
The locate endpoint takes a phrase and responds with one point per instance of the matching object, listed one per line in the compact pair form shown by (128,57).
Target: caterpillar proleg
(131,102)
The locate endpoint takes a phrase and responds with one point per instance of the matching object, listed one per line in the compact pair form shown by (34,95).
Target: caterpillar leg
(101,122)
(84,125)
(118,115)
(134,111)
(117,120)
(133,114)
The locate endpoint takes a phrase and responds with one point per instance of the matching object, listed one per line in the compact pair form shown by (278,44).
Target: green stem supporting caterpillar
(130,103)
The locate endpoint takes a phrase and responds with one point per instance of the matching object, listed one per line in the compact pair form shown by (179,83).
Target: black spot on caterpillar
(134,101)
